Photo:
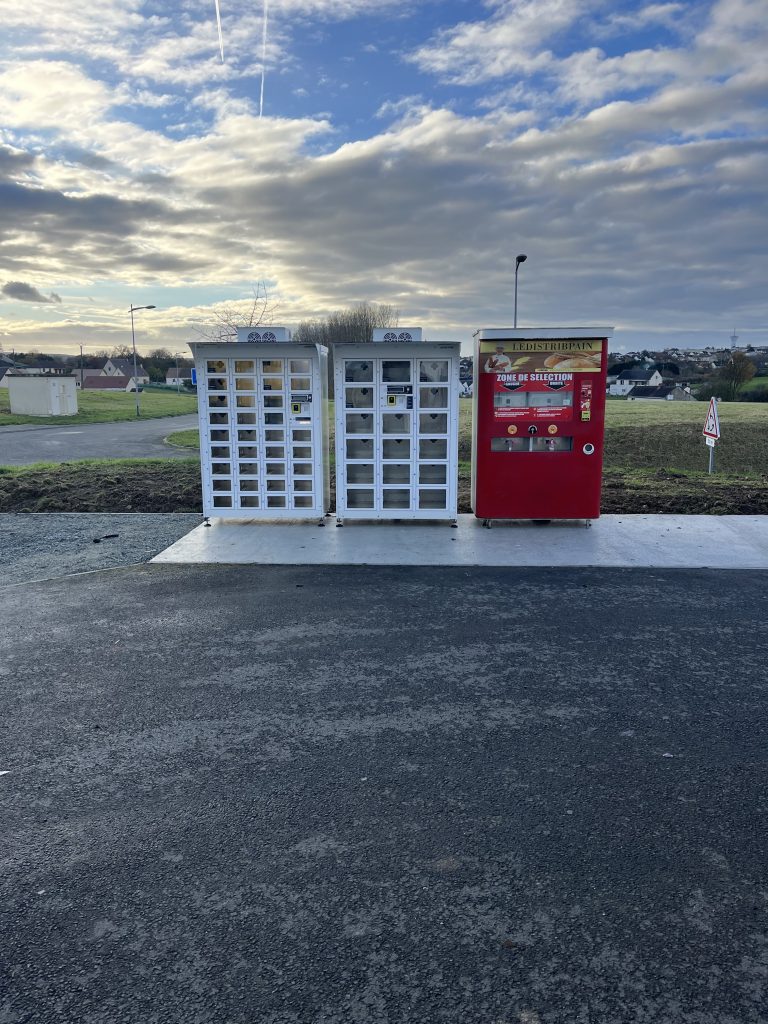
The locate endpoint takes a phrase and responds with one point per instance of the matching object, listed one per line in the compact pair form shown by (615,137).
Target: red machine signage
(536,398)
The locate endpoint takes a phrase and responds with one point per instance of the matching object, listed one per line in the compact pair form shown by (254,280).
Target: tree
(122,352)
(228,316)
(734,375)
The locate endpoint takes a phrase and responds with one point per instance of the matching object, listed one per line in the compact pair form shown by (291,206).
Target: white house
(184,377)
(124,368)
(629,379)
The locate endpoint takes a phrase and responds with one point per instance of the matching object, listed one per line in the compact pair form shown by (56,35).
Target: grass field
(106,407)
(649,435)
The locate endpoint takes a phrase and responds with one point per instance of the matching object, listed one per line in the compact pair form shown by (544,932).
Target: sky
(399,152)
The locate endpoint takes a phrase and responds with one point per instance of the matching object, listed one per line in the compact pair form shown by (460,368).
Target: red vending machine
(539,421)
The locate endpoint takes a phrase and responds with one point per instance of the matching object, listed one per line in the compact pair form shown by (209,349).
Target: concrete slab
(621,541)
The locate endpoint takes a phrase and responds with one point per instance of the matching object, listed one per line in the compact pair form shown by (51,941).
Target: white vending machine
(263,413)
(397,427)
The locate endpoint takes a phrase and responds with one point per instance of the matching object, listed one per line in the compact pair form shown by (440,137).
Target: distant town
(732,373)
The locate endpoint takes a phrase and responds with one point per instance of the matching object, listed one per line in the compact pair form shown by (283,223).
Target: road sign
(194,377)
(712,424)
(710,441)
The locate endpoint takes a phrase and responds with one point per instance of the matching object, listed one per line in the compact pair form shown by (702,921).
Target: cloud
(22,292)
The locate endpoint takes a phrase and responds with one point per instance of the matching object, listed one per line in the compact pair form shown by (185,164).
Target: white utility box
(397,427)
(43,396)
(263,426)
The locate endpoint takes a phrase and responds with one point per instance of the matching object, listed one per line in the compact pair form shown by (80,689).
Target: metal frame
(378,353)
(243,468)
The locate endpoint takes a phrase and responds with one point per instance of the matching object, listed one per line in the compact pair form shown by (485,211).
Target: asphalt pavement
(330,795)
(127,439)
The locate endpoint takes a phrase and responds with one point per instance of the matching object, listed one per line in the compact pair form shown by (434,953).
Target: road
(341,795)
(127,439)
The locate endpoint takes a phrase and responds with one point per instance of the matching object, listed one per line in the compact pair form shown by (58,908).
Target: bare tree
(228,316)
(734,375)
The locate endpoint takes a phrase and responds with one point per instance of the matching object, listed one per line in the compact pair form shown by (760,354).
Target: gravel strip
(41,546)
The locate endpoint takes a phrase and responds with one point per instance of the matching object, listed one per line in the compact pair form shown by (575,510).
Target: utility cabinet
(397,421)
(262,406)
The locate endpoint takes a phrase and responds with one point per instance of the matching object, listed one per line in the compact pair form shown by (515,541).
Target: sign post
(711,431)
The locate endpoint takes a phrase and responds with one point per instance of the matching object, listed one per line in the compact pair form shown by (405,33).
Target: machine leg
(454,524)
(206,521)
(321,522)
(588,523)
(487,523)
(339,522)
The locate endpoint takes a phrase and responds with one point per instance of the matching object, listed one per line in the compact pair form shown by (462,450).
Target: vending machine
(539,421)
(262,406)
(397,426)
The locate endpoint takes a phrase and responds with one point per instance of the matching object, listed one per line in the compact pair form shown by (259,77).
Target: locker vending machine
(397,420)
(262,404)
(538,424)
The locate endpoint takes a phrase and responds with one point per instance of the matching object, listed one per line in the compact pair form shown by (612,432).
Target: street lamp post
(518,260)
(178,382)
(135,309)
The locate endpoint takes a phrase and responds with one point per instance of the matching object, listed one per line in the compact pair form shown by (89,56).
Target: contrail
(221,37)
(263,55)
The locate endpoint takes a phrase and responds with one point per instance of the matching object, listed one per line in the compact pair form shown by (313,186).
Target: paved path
(128,439)
(318,795)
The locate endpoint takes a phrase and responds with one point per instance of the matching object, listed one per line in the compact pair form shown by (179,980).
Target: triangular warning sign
(712,425)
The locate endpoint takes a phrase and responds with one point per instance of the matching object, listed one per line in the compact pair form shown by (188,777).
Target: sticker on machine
(533,396)
(572,355)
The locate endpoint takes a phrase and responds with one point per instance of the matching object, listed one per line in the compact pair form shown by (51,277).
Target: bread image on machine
(564,361)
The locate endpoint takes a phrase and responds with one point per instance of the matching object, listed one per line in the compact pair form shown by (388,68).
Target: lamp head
(521,258)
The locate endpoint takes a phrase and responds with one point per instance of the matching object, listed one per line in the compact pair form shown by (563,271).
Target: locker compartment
(277,434)
(301,384)
(220,451)
(433,398)
(217,384)
(361,473)
(273,401)
(509,444)
(276,484)
(247,435)
(249,501)
(248,452)
(358,398)
(219,435)
(432,499)
(302,485)
(245,383)
(302,469)
(433,423)
(302,501)
(249,484)
(358,370)
(433,448)
(246,401)
(359,497)
(217,401)
(302,452)
(275,468)
(274,451)
(395,473)
(272,384)
(246,417)
(271,418)
(222,501)
(218,417)
(245,469)
(301,435)
(359,448)
(396,423)
(216,366)
(396,371)
(245,366)
(396,449)
(271,366)
(397,497)
(433,474)
(433,370)
(360,423)
(221,468)
(276,501)
(300,366)
(223,483)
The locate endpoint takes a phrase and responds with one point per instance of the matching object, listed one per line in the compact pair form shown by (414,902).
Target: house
(663,392)
(112,383)
(629,379)
(86,373)
(184,377)
(124,368)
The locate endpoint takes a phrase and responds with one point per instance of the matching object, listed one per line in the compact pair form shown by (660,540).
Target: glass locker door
(360,434)
(395,421)
(433,400)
